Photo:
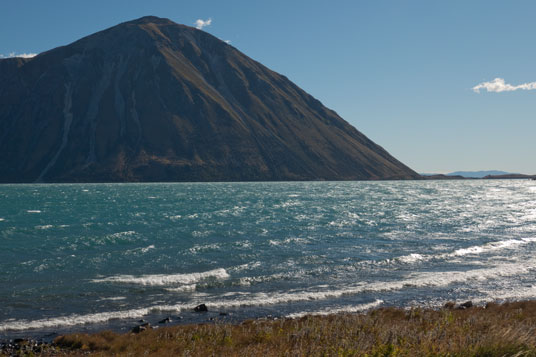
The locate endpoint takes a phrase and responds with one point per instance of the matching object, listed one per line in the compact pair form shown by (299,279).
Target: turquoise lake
(81,257)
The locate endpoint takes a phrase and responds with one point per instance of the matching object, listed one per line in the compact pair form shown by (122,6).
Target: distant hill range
(491,174)
(152,100)
(480,174)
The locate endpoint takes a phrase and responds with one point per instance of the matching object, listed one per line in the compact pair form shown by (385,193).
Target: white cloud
(498,85)
(227,42)
(23,55)
(199,24)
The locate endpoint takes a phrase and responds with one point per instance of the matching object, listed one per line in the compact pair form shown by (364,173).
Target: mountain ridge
(151,100)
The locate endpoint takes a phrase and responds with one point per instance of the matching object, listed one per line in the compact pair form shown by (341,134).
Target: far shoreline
(431,177)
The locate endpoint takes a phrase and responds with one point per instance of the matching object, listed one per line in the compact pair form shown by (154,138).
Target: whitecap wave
(257,299)
(241,299)
(203,248)
(243,244)
(33,211)
(473,250)
(247,266)
(182,289)
(148,248)
(46,226)
(122,234)
(338,310)
(202,234)
(287,241)
(102,317)
(418,280)
(163,279)
(113,298)
(41,267)
(251,280)
(505,244)
(72,320)
(411,258)
(287,204)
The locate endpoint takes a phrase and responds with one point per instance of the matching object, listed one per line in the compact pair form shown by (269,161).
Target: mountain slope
(151,100)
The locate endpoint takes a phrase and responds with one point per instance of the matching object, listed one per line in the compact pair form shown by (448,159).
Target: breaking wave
(473,250)
(338,310)
(163,279)
(73,320)
(241,299)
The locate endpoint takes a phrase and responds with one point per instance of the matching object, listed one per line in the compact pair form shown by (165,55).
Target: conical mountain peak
(152,100)
(152,20)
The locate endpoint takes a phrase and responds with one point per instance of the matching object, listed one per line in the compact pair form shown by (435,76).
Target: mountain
(478,174)
(152,100)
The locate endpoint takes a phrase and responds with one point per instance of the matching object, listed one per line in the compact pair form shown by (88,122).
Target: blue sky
(402,72)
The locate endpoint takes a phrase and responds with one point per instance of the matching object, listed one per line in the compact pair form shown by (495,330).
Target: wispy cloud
(23,55)
(199,24)
(499,85)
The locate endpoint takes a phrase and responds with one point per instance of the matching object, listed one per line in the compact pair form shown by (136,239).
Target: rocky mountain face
(152,100)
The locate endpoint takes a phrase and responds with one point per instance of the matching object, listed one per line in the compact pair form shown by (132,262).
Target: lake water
(81,257)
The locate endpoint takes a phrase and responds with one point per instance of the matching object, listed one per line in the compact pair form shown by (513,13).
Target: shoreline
(195,315)
(427,177)
(496,328)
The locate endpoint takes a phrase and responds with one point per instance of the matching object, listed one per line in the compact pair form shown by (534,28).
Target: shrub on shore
(495,330)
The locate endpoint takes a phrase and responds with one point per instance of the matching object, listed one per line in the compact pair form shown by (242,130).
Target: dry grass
(498,330)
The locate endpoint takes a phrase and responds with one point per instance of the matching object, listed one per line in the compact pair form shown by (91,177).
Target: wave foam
(247,266)
(203,248)
(432,279)
(411,258)
(251,280)
(162,279)
(339,310)
(73,320)
(493,246)
(102,317)
(474,250)
(113,298)
(286,241)
(122,234)
(146,249)
(241,299)
(182,289)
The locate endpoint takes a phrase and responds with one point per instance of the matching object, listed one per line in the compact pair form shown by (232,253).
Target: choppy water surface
(85,256)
